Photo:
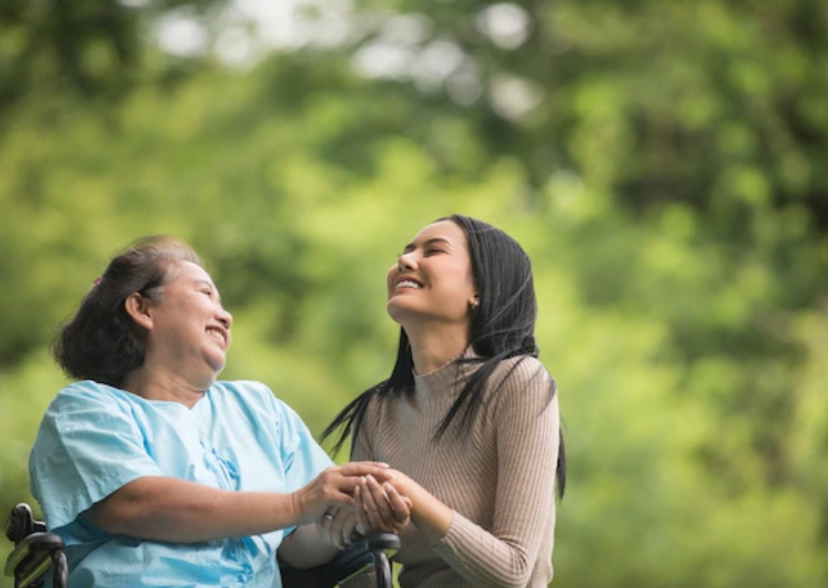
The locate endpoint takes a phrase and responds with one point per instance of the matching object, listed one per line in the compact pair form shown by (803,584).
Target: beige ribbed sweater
(499,477)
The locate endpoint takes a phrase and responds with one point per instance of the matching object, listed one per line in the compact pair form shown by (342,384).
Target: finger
(323,526)
(352,468)
(363,524)
(330,524)
(367,504)
(376,505)
(382,502)
(341,499)
(335,484)
(339,484)
(364,468)
(401,508)
(370,507)
(345,534)
(341,527)
(346,485)
(335,523)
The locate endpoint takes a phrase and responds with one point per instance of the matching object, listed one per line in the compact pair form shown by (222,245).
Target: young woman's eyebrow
(432,241)
(441,240)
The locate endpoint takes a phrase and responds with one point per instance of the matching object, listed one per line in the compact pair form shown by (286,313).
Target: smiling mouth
(408,284)
(216,334)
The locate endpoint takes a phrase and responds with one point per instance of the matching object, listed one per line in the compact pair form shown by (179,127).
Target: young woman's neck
(435,345)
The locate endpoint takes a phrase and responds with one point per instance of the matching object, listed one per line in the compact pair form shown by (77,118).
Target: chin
(217,366)
(396,311)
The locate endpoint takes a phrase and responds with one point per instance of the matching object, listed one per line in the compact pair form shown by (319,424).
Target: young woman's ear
(137,307)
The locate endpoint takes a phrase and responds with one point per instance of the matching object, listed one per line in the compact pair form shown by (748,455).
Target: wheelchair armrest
(370,551)
(33,556)
(35,552)
(21,523)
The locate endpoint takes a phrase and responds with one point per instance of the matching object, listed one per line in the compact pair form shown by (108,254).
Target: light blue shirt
(94,439)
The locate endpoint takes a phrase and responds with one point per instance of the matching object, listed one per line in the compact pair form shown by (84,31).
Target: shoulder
(522,371)
(85,394)
(251,395)
(524,380)
(377,407)
(86,406)
(84,389)
(372,399)
(243,390)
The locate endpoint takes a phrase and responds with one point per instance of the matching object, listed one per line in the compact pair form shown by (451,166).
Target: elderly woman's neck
(434,347)
(154,384)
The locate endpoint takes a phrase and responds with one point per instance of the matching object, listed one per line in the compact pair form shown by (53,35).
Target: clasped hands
(376,506)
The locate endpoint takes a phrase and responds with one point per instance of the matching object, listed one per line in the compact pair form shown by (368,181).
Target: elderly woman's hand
(338,526)
(335,486)
(380,507)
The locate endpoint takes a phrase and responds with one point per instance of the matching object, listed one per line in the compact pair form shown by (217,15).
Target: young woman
(468,419)
(152,471)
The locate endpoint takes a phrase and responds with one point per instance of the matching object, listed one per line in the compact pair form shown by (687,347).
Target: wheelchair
(37,552)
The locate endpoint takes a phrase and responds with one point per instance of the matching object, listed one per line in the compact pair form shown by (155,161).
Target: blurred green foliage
(661,161)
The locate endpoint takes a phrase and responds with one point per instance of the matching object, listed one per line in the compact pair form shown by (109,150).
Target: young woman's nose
(407,261)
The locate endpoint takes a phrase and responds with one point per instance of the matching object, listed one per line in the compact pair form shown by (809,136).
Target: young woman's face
(190,327)
(432,279)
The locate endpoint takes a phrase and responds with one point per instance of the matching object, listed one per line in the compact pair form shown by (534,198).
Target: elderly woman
(152,471)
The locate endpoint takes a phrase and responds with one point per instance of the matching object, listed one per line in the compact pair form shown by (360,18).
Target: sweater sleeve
(527,426)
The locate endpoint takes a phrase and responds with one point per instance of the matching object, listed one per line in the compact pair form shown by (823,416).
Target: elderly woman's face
(433,278)
(189,326)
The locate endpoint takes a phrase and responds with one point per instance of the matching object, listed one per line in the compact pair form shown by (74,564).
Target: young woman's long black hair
(502,327)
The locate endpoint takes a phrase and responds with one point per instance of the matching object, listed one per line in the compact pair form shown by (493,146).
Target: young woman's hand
(427,513)
(380,507)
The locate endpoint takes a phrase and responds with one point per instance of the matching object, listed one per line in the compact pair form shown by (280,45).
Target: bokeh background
(662,161)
